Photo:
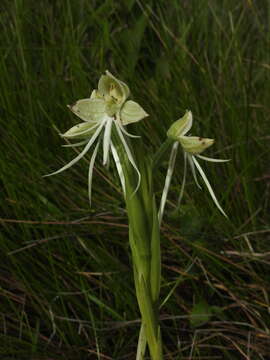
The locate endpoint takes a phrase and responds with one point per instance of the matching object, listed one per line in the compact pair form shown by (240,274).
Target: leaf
(200,314)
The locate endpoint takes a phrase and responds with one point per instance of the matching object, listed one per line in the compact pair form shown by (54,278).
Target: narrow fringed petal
(74,131)
(167,180)
(119,168)
(191,163)
(183,181)
(90,172)
(212,159)
(76,144)
(129,155)
(107,140)
(77,158)
(126,132)
(208,185)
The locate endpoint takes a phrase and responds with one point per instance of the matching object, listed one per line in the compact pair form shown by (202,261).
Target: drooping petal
(183,181)
(77,158)
(195,144)
(131,112)
(90,172)
(89,109)
(167,180)
(119,168)
(124,130)
(212,159)
(181,126)
(77,144)
(191,163)
(107,140)
(208,186)
(129,155)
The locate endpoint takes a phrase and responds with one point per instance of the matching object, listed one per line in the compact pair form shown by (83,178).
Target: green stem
(144,238)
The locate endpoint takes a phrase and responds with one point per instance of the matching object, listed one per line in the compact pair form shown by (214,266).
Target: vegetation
(66,283)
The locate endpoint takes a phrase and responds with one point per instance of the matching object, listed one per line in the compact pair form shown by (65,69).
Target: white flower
(192,147)
(106,108)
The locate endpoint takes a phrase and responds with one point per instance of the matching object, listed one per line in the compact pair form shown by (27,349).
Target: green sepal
(194,144)
(92,109)
(131,112)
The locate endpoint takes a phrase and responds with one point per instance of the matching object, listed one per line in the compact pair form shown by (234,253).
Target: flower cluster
(107,107)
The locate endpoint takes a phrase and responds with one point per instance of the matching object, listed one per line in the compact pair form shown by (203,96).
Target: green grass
(66,286)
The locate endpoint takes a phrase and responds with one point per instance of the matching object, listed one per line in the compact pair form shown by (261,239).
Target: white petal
(129,155)
(212,159)
(107,140)
(118,167)
(208,185)
(76,144)
(190,160)
(125,131)
(90,172)
(167,180)
(77,158)
(183,182)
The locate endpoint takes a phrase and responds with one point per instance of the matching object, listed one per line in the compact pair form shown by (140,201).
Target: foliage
(66,281)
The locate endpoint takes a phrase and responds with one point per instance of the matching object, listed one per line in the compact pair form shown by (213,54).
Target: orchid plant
(105,116)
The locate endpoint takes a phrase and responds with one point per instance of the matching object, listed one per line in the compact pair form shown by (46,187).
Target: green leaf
(200,314)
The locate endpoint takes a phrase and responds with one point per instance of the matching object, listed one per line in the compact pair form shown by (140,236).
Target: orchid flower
(192,147)
(106,108)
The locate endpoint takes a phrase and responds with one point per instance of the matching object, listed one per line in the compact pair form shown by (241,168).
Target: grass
(66,283)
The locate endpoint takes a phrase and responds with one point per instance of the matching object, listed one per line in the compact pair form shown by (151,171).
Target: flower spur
(106,108)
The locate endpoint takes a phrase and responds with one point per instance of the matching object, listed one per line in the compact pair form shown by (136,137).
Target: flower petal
(107,139)
(167,180)
(77,158)
(212,159)
(119,168)
(191,163)
(90,172)
(183,181)
(76,144)
(131,112)
(81,130)
(92,110)
(208,186)
(129,155)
